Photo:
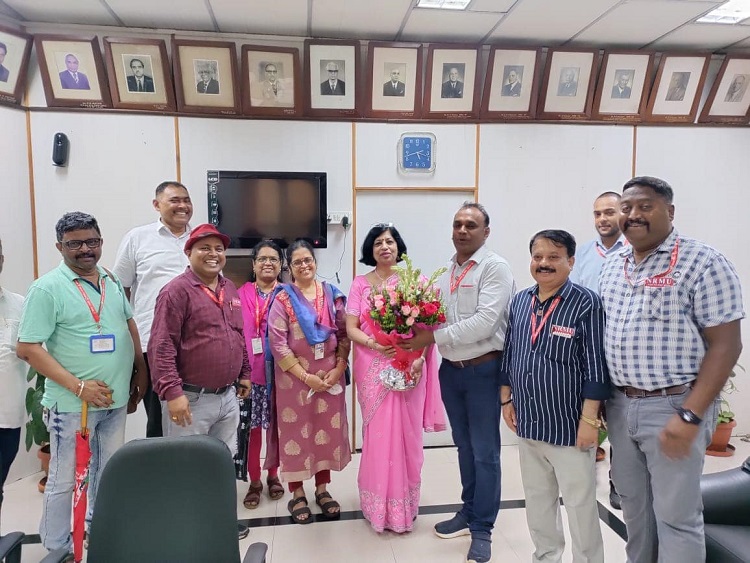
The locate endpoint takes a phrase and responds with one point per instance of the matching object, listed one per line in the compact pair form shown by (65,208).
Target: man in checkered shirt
(672,337)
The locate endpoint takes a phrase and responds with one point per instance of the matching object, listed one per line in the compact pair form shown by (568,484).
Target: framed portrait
(622,92)
(205,75)
(677,88)
(72,71)
(271,81)
(512,83)
(138,71)
(451,89)
(331,78)
(729,100)
(15,50)
(568,84)
(394,80)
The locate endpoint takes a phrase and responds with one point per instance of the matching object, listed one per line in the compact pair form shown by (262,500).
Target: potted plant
(725,423)
(36,430)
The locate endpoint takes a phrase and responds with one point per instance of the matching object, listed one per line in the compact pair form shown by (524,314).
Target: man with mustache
(553,380)
(476,290)
(77,329)
(672,337)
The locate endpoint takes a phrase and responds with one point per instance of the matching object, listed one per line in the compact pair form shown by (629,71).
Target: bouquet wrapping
(395,311)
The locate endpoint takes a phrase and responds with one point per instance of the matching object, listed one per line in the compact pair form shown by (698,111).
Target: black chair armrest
(726,497)
(256,553)
(10,547)
(57,556)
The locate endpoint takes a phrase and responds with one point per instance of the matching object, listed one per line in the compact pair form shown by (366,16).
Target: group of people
(642,320)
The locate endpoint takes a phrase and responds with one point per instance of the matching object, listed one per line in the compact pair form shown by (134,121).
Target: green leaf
(29,436)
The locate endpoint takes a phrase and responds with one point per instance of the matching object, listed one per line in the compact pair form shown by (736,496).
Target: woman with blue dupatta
(308,342)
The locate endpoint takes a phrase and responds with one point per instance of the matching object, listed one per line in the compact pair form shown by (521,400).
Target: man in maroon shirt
(197,349)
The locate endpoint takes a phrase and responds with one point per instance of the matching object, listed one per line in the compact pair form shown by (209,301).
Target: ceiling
(650,24)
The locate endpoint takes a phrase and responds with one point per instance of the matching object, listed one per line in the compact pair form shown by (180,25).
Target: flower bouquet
(394,311)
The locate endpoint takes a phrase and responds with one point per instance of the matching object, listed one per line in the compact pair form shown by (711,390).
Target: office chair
(10,547)
(726,513)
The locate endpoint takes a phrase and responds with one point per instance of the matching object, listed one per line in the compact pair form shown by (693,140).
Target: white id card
(102,343)
(319,349)
(257,344)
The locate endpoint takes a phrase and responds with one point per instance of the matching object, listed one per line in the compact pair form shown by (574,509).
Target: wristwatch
(689,416)
(595,422)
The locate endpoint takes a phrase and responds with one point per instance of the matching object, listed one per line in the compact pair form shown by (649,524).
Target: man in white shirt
(12,380)
(148,258)
(477,290)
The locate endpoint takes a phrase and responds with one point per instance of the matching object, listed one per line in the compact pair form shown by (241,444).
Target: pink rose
(379,302)
(405,309)
(410,321)
(415,312)
(393,301)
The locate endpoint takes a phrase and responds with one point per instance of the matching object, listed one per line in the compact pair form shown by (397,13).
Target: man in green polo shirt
(80,312)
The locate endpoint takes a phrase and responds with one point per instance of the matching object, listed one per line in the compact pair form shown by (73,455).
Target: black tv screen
(279,206)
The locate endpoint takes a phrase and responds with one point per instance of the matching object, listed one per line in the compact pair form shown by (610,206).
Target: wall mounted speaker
(60,145)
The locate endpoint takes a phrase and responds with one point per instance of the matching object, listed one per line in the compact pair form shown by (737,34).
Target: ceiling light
(444,4)
(732,12)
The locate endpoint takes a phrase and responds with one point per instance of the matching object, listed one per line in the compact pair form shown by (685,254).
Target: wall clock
(416,153)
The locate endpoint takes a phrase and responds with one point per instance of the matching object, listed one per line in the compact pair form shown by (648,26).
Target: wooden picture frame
(394,80)
(623,87)
(728,101)
(139,74)
(568,84)
(675,99)
(451,88)
(511,88)
(72,71)
(332,78)
(15,51)
(205,76)
(271,81)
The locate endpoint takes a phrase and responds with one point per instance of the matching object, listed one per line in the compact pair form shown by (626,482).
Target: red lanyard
(534,329)
(456,281)
(97,314)
(261,314)
(219,301)
(664,274)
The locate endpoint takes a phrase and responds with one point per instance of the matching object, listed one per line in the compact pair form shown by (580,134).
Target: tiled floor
(353,539)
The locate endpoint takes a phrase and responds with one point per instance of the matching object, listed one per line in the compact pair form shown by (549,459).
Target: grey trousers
(661,498)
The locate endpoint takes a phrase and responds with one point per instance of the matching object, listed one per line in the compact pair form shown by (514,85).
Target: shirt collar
(161,226)
(621,241)
(477,257)
(72,276)
(666,246)
(563,292)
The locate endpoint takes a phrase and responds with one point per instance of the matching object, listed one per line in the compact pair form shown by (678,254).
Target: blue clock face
(416,153)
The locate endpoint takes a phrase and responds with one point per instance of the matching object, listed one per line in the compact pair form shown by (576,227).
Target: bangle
(595,422)
(341,360)
(370,346)
(304,377)
(80,389)
(509,401)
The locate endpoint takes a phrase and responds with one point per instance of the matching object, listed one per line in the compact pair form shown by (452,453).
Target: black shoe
(614,497)
(242,531)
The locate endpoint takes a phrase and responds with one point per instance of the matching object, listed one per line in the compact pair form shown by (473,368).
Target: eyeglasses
(309,261)
(382,225)
(267,260)
(76,244)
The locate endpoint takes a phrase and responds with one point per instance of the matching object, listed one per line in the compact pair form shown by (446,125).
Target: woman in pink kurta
(392,421)
(310,350)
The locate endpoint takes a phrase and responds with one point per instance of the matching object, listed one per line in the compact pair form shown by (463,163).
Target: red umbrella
(80,492)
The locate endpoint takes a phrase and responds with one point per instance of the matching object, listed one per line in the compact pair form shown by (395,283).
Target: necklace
(381,278)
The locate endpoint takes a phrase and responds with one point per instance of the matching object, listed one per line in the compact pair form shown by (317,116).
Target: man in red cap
(197,351)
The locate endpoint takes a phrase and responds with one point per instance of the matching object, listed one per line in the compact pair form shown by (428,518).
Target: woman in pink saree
(390,469)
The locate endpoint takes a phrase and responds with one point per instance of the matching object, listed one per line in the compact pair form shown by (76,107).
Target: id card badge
(257,344)
(102,343)
(319,351)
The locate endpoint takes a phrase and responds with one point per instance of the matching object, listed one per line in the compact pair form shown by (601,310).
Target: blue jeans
(472,400)
(661,498)
(106,435)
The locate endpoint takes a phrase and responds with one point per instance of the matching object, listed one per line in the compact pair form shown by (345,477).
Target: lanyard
(219,301)
(651,281)
(261,314)
(534,329)
(96,314)
(456,281)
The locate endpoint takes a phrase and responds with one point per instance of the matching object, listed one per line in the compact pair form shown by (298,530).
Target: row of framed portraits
(575,84)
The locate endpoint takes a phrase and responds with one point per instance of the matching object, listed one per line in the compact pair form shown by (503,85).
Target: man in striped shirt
(553,379)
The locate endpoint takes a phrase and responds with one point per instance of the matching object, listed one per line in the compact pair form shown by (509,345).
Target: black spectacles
(76,244)
(267,260)
(383,225)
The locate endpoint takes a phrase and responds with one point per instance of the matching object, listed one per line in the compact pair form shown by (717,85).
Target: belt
(209,390)
(494,355)
(635,393)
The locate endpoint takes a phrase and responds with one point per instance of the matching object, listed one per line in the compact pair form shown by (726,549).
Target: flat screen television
(281,206)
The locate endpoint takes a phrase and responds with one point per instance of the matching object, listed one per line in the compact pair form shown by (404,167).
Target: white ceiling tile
(185,14)
(549,22)
(380,19)
(267,17)
(443,25)
(703,36)
(71,11)
(491,5)
(640,22)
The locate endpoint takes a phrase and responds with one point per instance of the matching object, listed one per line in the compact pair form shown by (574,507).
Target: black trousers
(153,408)
(10,438)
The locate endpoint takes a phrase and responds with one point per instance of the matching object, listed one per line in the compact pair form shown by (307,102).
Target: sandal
(297,512)
(328,507)
(275,488)
(252,498)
